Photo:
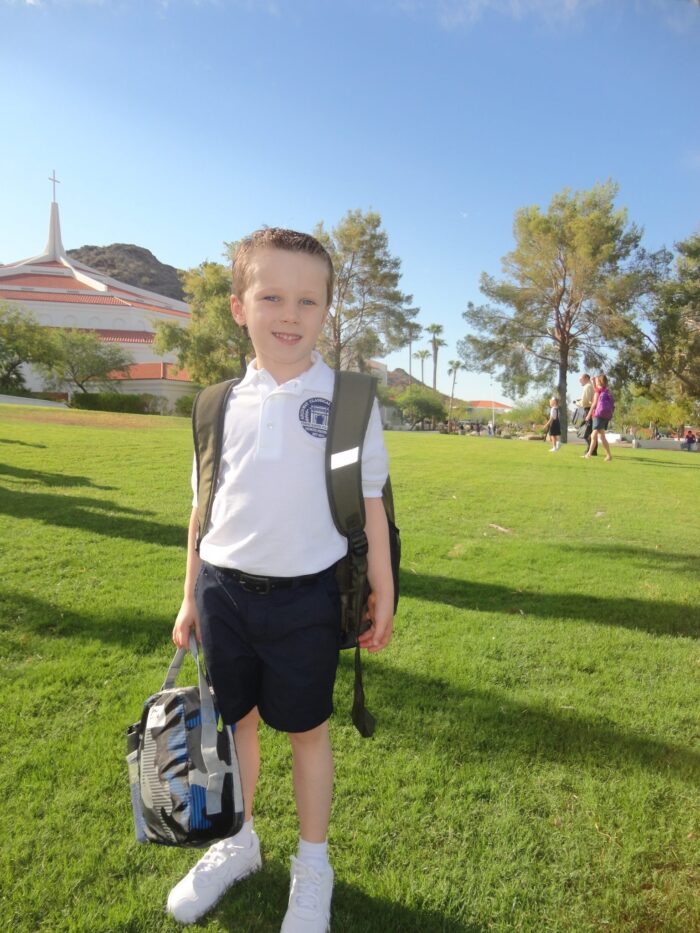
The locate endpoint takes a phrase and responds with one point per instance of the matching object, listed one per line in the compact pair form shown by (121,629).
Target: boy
(265,605)
(553,428)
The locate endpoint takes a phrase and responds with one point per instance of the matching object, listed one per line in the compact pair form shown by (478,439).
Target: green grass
(536,762)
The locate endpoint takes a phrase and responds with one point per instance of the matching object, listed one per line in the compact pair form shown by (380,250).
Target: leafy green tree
(81,360)
(435,342)
(418,403)
(369,314)
(213,347)
(662,355)
(22,340)
(570,293)
(422,355)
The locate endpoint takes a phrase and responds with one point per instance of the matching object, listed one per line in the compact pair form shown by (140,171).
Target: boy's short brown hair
(275,238)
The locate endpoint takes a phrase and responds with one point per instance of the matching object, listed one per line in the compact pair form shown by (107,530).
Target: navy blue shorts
(277,651)
(601,424)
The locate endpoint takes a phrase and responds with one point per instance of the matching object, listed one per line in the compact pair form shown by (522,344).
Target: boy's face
(284,308)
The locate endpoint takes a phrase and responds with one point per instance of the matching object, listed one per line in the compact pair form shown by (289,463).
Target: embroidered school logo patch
(314,414)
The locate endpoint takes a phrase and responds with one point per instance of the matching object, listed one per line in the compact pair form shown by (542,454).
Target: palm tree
(422,355)
(455,366)
(413,332)
(436,343)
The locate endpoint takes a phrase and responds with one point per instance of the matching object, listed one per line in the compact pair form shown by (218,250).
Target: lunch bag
(183,769)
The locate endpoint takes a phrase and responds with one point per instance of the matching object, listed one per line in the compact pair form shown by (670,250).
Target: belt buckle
(261,586)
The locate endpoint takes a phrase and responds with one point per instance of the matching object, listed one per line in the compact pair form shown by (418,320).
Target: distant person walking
(586,403)
(553,428)
(600,415)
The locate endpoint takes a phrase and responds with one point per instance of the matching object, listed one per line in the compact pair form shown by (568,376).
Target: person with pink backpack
(600,414)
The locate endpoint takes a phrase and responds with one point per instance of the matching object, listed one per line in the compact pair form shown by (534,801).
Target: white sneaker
(309,909)
(204,886)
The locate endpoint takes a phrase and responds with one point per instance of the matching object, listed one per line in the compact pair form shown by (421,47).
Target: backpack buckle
(358,543)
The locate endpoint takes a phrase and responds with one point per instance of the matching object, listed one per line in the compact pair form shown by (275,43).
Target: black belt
(252,583)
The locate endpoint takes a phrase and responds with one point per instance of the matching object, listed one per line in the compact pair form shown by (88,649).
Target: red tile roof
(45,281)
(153,371)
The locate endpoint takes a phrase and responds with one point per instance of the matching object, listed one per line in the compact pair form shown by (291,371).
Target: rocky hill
(133,265)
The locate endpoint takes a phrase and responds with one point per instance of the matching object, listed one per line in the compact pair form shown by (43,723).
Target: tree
(436,342)
(213,347)
(455,366)
(369,314)
(570,292)
(662,356)
(22,340)
(413,332)
(81,359)
(422,355)
(418,403)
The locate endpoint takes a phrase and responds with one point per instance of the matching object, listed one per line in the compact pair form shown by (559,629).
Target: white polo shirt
(270,514)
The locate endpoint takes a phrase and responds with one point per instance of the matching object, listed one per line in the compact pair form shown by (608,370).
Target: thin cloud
(679,15)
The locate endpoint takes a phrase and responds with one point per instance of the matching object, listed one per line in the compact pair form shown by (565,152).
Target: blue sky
(179,124)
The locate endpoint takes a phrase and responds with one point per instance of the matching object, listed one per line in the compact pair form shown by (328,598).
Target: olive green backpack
(353,395)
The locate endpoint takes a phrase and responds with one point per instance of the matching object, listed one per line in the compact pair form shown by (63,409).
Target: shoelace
(307,887)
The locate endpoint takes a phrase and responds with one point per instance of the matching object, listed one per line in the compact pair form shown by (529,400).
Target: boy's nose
(290,311)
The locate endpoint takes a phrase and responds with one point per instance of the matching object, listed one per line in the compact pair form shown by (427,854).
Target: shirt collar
(315,377)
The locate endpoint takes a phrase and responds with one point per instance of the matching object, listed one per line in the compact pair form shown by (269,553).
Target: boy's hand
(186,619)
(380,612)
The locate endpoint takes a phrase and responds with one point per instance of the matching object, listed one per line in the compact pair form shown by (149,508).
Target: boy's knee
(315,736)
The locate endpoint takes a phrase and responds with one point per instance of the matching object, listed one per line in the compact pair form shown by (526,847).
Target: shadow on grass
(648,558)
(48,479)
(487,726)
(263,896)
(12,440)
(655,617)
(78,512)
(665,463)
(420,710)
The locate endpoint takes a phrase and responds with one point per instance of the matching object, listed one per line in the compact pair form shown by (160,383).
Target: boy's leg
(312,876)
(312,773)
(248,752)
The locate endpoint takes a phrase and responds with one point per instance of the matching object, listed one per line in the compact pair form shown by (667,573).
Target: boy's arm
(381,581)
(187,616)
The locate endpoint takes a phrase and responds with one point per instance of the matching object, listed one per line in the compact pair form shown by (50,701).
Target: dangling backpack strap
(353,396)
(208,413)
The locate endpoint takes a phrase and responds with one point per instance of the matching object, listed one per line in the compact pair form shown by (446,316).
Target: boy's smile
(284,308)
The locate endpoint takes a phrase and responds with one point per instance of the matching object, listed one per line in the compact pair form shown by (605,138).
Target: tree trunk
(563,408)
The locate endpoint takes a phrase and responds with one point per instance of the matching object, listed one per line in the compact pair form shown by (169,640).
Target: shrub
(114,401)
(183,405)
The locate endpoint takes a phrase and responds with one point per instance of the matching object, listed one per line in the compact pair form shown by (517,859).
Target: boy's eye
(271,298)
(308,301)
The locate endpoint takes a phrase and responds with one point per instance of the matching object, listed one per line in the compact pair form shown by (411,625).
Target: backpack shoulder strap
(208,414)
(353,395)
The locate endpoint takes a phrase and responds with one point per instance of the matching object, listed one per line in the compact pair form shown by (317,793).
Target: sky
(181,124)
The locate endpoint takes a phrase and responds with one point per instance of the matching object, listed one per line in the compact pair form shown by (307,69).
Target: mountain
(133,265)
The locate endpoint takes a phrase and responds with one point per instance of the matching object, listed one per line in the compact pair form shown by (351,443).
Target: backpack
(182,763)
(606,404)
(351,406)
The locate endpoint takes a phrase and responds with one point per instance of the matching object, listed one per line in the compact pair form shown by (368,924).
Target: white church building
(61,292)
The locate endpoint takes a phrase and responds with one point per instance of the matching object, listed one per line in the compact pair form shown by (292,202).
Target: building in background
(61,292)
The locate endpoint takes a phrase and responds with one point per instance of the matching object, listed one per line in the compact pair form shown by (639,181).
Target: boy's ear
(237,311)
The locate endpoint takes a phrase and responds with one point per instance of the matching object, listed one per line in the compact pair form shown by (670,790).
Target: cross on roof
(54,181)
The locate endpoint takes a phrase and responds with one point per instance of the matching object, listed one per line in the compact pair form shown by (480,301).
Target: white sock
(244,836)
(313,854)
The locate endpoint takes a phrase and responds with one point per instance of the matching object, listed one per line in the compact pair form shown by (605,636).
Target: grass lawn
(536,762)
